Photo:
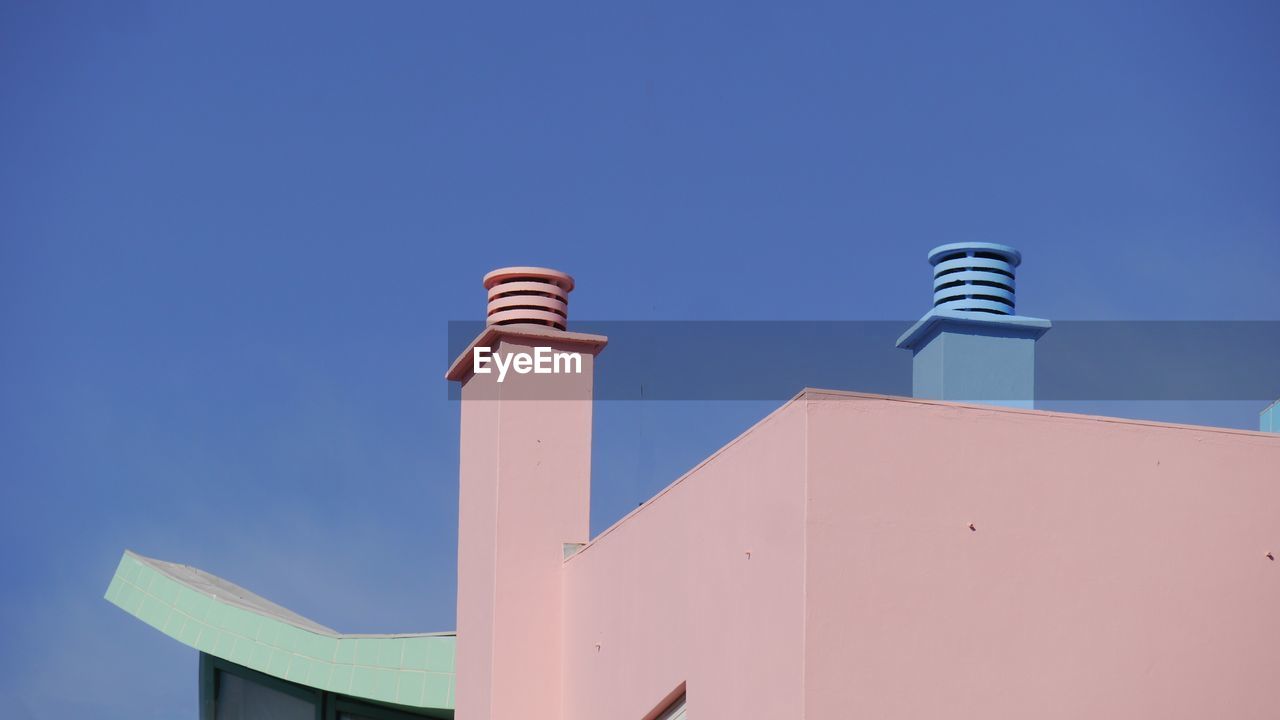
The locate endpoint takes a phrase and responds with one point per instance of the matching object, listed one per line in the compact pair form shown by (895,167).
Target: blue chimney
(972,346)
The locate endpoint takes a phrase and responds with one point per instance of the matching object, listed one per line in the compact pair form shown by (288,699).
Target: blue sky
(231,236)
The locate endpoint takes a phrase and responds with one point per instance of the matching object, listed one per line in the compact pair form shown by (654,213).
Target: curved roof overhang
(225,620)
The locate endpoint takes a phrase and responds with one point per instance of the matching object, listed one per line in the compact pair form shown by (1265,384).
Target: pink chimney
(525,490)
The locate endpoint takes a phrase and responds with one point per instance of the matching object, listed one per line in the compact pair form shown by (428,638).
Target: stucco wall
(670,594)
(525,474)
(1116,569)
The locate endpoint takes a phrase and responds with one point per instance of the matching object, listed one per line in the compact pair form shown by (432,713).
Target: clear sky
(231,235)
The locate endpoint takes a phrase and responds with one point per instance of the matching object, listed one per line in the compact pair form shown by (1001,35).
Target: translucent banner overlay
(773,360)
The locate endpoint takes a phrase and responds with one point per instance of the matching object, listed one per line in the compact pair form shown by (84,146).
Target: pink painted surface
(528,295)
(1115,569)
(703,585)
(524,471)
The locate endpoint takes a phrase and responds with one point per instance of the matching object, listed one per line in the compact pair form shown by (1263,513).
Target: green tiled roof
(225,620)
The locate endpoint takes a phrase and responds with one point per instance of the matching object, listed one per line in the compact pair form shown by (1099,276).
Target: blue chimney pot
(972,346)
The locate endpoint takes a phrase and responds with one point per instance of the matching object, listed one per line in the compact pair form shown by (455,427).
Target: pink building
(850,555)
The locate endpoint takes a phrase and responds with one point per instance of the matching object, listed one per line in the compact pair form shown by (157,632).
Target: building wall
(1115,570)
(704,585)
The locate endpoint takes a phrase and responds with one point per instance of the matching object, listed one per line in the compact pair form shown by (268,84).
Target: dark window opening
(233,692)
(998,271)
(991,256)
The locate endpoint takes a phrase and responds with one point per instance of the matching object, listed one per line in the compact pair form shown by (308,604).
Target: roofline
(810,392)
(1037,412)
(640,508)
(228,622)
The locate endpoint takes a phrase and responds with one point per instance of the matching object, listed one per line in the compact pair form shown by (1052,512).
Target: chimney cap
(1010,254)
(516,272)
(524,294)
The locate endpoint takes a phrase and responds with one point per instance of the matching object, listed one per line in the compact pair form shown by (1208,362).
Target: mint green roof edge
(1269,418)
(227,621)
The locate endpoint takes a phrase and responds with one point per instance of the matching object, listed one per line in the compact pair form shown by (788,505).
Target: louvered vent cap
(974,277)
(528,295)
